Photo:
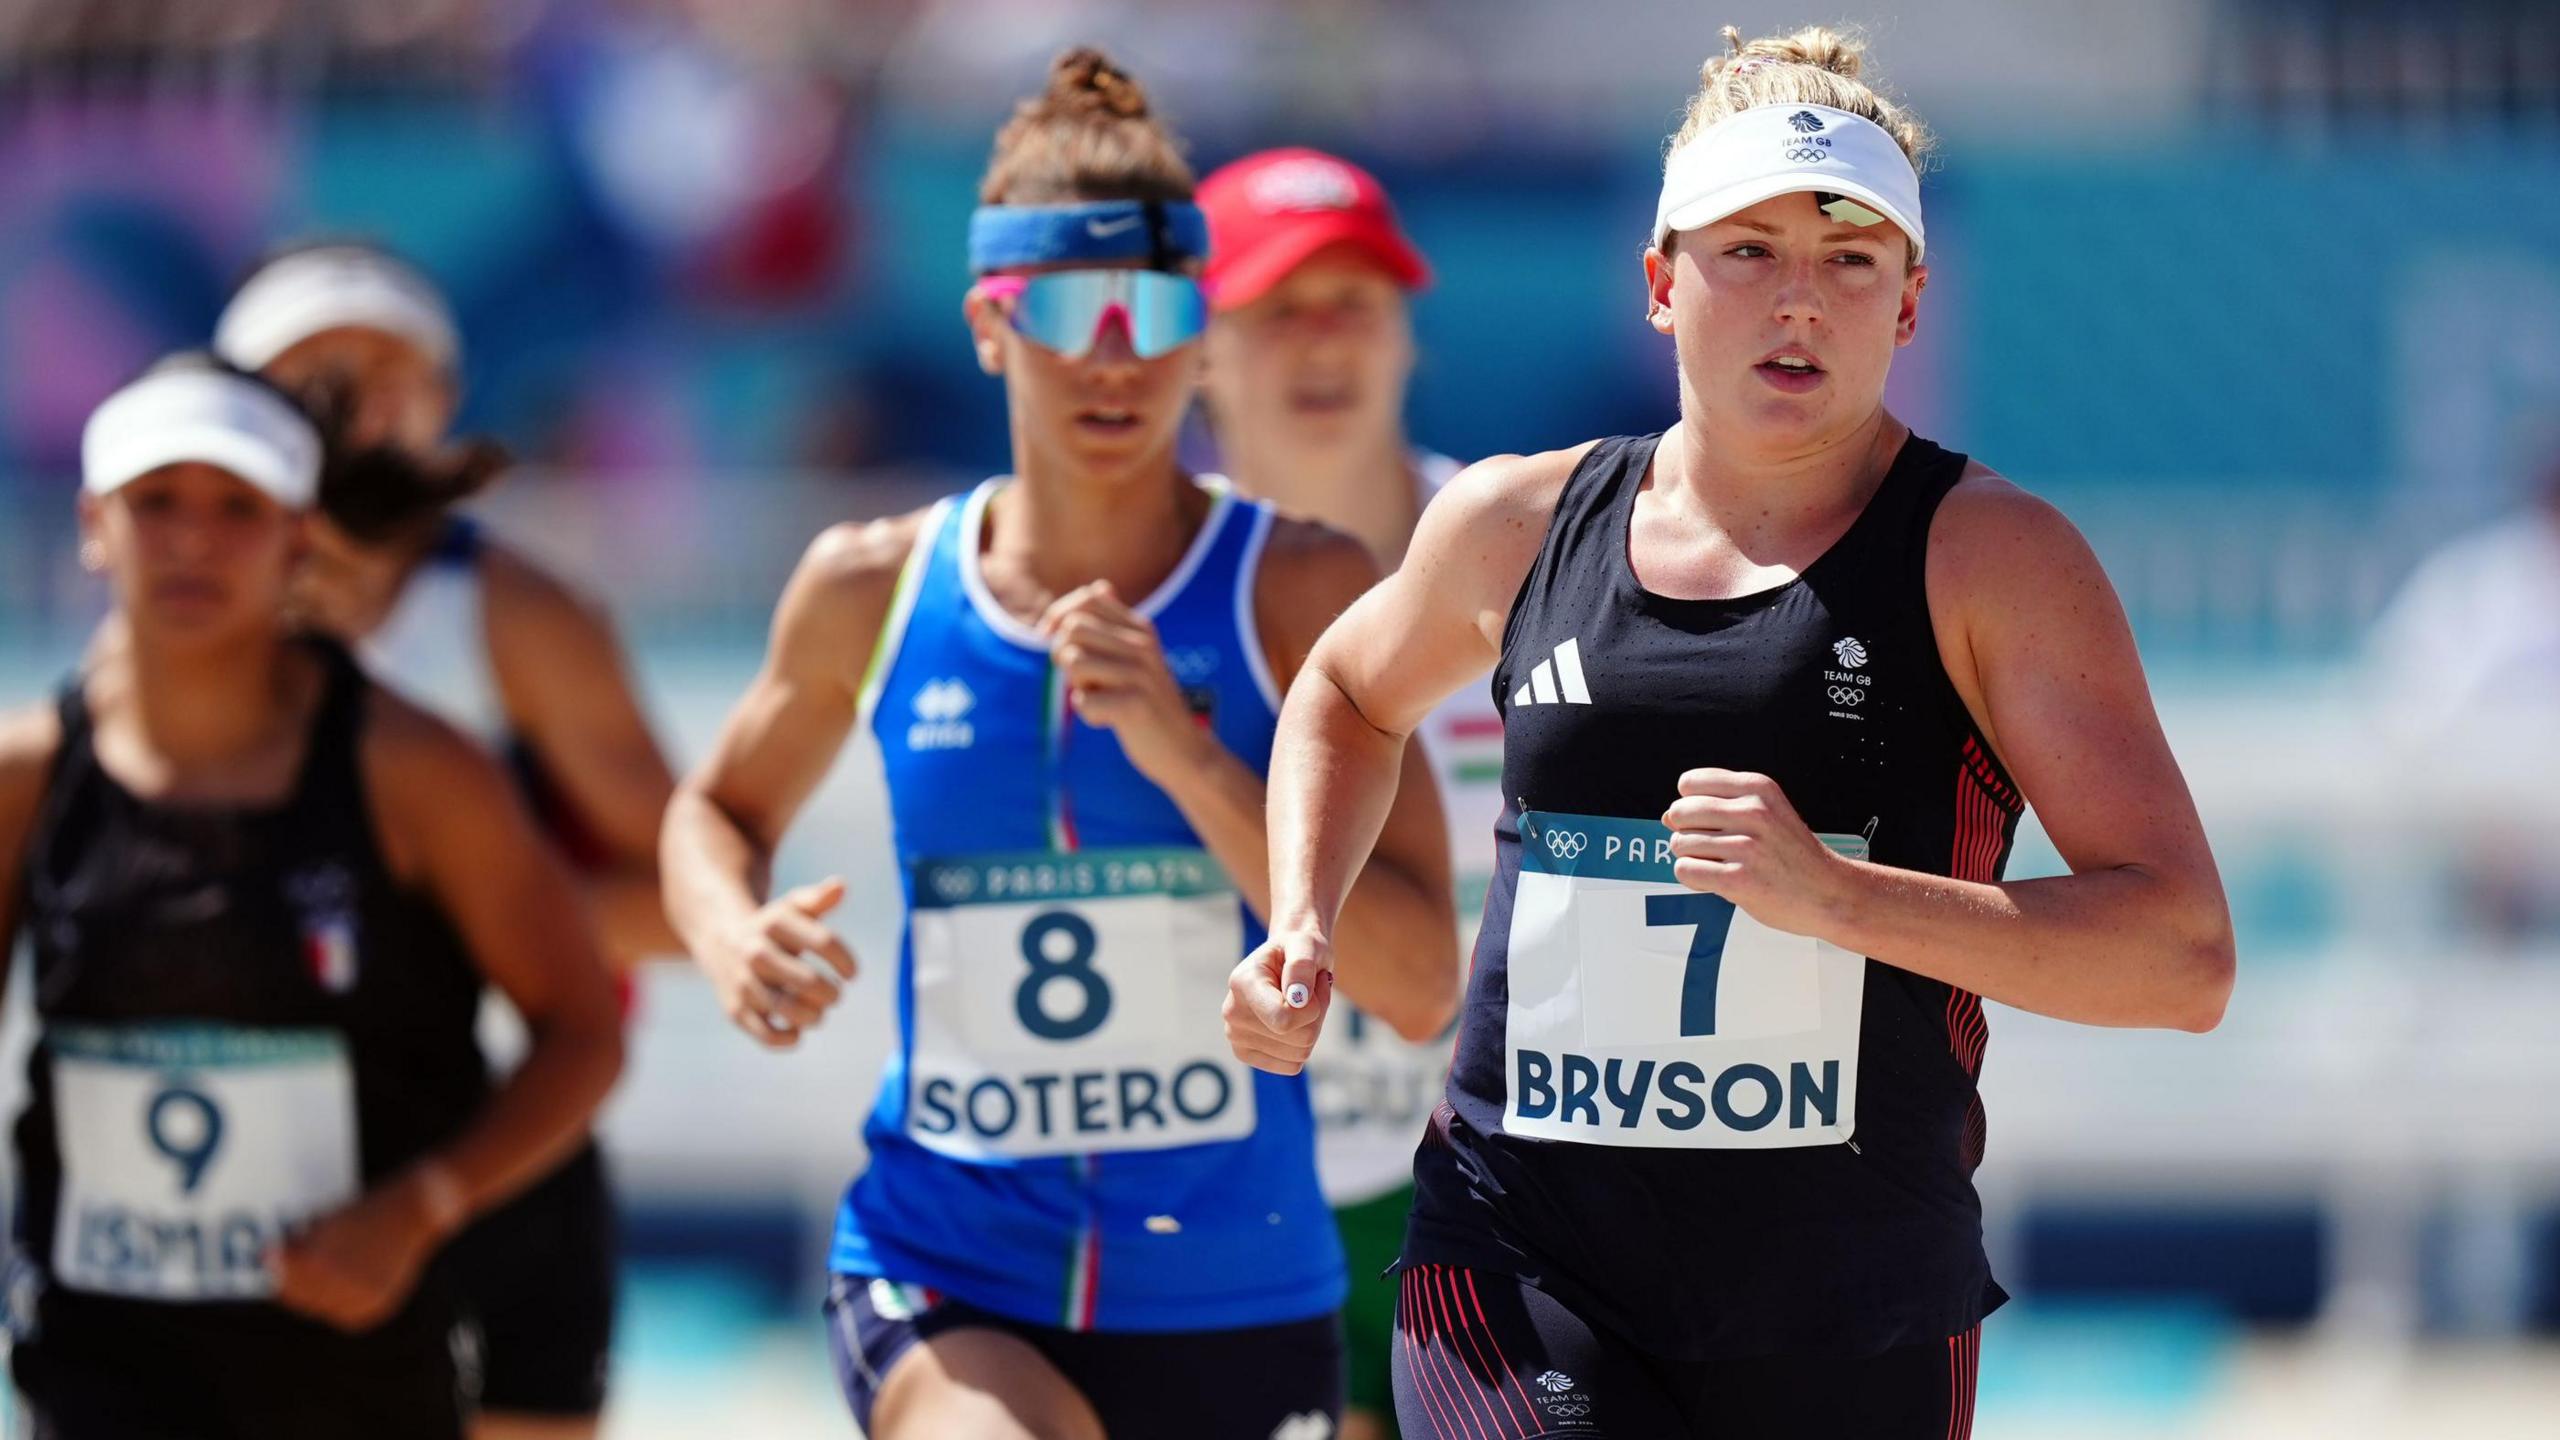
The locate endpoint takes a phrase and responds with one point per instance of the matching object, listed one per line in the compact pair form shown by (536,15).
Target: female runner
(1310,347)
(262,897)
(1776,684)
(1081,1216)
(495,645)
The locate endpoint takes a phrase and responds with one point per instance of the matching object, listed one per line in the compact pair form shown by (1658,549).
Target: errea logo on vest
(1556,681)
(942,709)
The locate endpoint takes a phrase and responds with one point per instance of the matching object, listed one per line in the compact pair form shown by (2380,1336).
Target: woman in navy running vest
(262,897)
(1081,1215)
(482,637)
(1776,684)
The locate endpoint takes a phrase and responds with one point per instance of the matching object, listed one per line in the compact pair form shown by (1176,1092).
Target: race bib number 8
(1644,1013)
(1066,1004)
(189,1151)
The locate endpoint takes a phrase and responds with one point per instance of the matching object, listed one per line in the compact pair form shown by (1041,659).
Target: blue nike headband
(1154,231)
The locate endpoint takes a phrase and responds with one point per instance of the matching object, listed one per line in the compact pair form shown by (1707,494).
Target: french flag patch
(329,950)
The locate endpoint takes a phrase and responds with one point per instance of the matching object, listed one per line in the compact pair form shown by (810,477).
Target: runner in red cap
(1308,273)
(1309,352)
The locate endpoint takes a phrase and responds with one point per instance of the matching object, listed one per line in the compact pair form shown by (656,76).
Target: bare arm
(451,824)
(716,851)
(1395,936)
(2032,633)
(29,739)
(568,692)
(1399,919)
(1398,651)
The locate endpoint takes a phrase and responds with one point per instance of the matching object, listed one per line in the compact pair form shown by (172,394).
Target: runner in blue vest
(1776,685)
(1082,1215)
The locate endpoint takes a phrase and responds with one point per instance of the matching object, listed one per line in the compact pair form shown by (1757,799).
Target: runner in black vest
(261,896)
(1776,685)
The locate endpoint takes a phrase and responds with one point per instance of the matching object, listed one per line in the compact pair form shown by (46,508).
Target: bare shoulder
(1309,559)
(434,793)
(2012,582)
(525,593)
(829,619)
(860,559)
(30,736)
(1310,574)
(1991,538)
(1515,492)
(412,755)
(1482,532)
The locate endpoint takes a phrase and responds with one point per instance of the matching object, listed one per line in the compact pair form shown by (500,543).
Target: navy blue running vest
(1710,1137)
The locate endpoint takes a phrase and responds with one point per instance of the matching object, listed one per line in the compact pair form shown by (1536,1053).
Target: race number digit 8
(1077,967)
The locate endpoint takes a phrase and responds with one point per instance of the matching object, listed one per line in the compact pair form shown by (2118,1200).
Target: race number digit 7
(1712,915)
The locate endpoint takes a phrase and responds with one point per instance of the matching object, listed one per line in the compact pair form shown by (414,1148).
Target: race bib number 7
(1644,1013)
(1069,1003)
(189,1151)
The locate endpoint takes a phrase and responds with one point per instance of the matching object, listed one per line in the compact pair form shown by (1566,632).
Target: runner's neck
(1373,493)
(1051,539)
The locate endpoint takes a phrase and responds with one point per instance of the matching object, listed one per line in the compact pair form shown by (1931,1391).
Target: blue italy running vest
(1062,1135)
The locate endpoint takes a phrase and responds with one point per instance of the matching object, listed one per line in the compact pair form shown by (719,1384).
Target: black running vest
(179,949)
(1711,1138)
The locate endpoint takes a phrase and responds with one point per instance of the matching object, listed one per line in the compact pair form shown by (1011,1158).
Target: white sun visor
(224,420)
(333,288)
(1773,150)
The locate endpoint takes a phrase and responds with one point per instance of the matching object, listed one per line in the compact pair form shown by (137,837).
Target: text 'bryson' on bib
(1069,1003)
(188,1151)
(1644,1013)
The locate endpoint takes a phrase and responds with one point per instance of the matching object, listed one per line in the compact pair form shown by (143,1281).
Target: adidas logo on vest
(1562,675)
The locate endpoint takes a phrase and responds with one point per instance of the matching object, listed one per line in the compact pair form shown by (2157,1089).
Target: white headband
(333,288)
(1772,150)
(227,421)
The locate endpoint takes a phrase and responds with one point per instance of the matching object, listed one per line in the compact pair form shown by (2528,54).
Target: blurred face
(1785,321)
(193,551)
(1108,413)
(398,394)
(1320,360)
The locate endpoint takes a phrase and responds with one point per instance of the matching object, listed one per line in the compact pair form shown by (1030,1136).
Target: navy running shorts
(1252,1384)
(1485,1356)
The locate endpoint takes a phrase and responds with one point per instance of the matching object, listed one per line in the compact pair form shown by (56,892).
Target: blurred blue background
(2263,292)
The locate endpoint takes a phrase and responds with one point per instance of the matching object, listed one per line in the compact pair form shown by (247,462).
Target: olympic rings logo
(1846,695)
(1567,844)
(955,884)
(1806,154)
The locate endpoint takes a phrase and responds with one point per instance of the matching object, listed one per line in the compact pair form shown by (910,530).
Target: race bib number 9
(189,1151)
(1644,1013)
(1067,1004)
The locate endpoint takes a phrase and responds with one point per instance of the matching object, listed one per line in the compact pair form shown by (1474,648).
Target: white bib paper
(189,1150)
(1069,1003)
(1644,1013)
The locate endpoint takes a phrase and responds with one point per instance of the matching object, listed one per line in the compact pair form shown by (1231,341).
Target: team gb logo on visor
(1305,185)
(1810,144)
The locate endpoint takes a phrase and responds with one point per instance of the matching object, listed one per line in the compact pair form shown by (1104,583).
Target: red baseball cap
(1268,213)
